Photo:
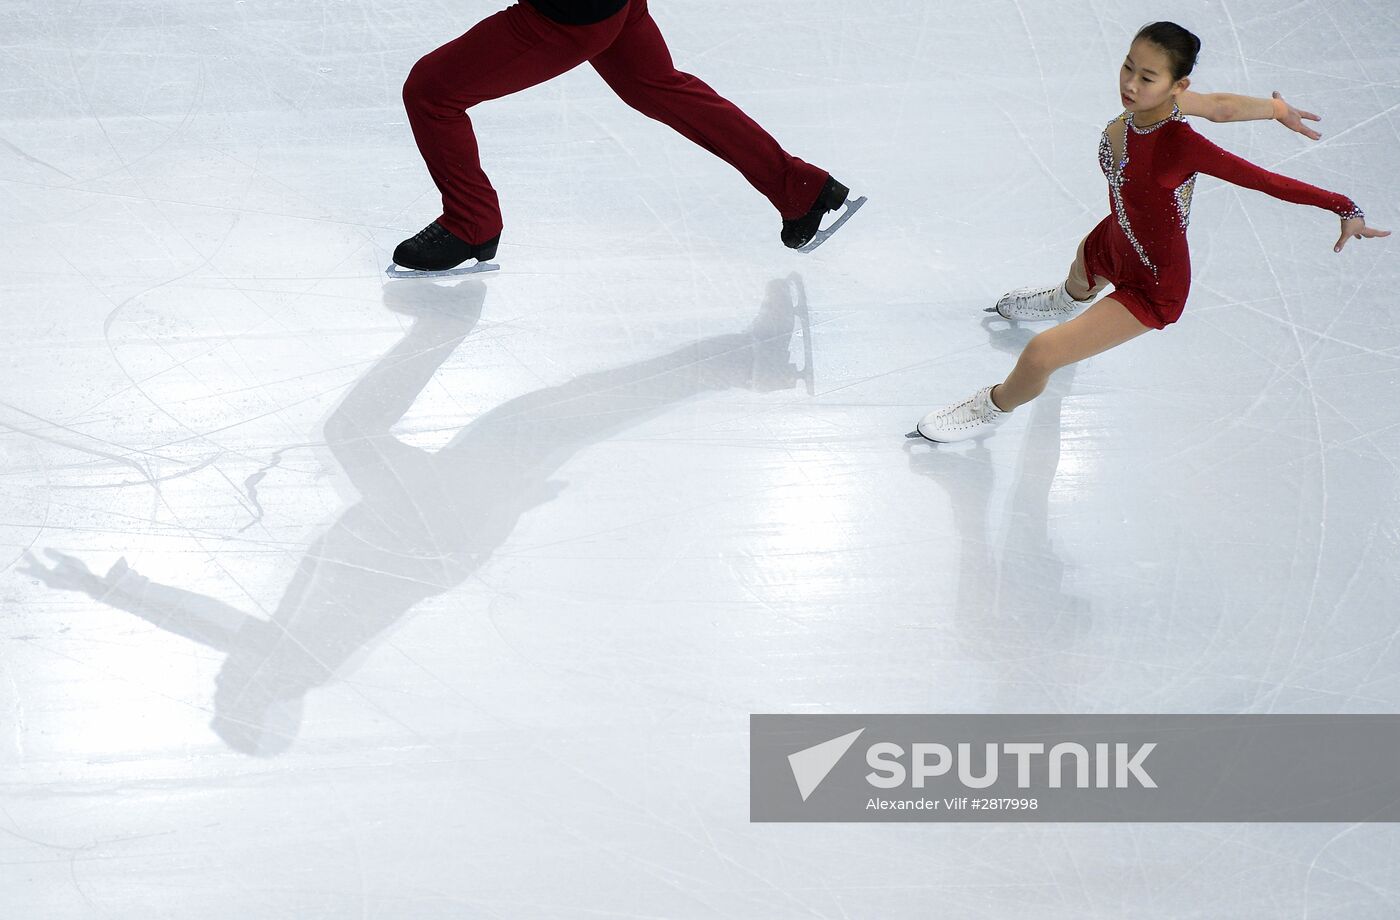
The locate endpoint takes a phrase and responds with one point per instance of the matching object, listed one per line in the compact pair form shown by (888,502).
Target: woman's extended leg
(1099,328)
(1104,325)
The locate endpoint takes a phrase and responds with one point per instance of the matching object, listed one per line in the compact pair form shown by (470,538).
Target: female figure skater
(537,40)
(1151,158)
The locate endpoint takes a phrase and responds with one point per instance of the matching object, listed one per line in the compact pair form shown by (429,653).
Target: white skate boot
(971,418)
(1038,304)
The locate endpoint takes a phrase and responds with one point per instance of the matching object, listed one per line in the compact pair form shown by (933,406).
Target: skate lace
(1034,302)
(965,413)
(433,233)
(1027,296)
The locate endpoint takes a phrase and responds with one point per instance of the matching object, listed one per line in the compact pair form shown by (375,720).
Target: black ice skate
(805,233)
(436,251)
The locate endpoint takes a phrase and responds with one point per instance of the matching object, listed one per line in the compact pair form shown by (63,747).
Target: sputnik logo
(811,765)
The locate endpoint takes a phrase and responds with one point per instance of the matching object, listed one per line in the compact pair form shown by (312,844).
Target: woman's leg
(1077,282)
(638,67)
(503,54)
(1038,304)
(1104,325)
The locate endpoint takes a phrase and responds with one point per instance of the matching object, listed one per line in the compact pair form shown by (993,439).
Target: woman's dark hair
(1179,44)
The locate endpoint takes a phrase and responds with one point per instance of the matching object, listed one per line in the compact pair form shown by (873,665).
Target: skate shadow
(1012,602)
(422,521)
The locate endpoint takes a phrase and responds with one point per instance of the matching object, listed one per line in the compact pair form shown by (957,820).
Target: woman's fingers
(1362,232)
(1295,118)
(1350,227)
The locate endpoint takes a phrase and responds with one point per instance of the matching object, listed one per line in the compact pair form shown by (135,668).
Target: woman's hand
(1355,227)
(1292,118)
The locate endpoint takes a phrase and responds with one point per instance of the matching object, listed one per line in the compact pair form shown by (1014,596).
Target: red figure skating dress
(1141,246)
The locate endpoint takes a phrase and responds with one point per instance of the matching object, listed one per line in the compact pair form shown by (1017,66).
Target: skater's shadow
(1013,601)
(424,520)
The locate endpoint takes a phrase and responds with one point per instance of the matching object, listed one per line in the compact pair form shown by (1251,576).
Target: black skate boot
(436,249)
(799,231)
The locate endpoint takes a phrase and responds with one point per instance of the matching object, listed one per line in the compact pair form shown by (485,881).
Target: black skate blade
(851,207)
(917,435)
(989,309)
(394,271)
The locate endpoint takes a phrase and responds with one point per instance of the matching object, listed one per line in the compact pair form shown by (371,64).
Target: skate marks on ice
(423,521)
(848,211)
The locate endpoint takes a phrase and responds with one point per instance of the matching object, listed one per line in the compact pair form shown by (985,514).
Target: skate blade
(851,207)
(917,435)
(394,271)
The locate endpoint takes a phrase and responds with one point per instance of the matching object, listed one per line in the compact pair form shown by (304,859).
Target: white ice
(540,544)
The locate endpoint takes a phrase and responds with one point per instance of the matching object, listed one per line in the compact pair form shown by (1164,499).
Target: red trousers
(518,48)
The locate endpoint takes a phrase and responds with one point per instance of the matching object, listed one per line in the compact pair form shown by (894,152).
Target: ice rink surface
(356,598)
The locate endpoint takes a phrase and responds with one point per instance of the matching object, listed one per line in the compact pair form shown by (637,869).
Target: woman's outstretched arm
(1193,153)
(1226,107)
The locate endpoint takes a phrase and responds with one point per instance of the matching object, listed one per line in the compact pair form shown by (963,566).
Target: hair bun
(1181,45)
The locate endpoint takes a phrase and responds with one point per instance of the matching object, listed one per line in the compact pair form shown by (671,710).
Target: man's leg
(638,67)
(503,54)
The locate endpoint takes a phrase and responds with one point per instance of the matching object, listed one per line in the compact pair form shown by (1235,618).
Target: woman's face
(1145,80)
